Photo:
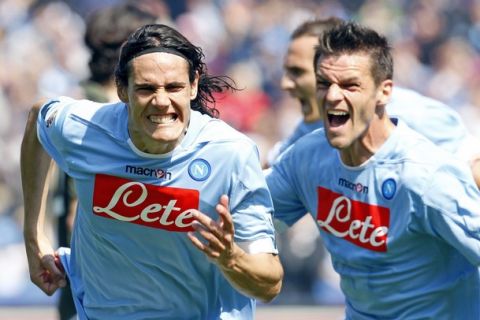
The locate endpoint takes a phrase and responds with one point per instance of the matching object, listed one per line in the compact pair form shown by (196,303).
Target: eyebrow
(349,79)
(293,68)
(176,83)
(173,83)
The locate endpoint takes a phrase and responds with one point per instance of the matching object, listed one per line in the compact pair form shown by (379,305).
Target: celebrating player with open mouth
(399,215)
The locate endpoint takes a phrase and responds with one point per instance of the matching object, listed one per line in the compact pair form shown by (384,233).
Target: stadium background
(436,49)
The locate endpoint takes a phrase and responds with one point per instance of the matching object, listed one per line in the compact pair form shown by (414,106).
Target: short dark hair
(106,30)
(315,27)
(350,37)
(161,36)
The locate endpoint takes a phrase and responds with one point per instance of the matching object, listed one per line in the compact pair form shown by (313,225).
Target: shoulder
(413,147)
(422,160)
(313,145)
(216,132)
(76,116)
(416,145)
(85,109)
(315,140)
(432,118)
(415,108)
(410,101)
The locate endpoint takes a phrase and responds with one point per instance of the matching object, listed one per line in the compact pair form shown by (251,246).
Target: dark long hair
(163,37)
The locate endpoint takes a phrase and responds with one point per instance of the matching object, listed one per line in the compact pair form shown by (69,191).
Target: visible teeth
(337,113)
(162,119)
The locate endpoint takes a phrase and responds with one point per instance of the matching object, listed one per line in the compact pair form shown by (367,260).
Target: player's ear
(384,92)
(122,93)
(194,87)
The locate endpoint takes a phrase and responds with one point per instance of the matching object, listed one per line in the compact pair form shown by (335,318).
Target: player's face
(299,75)
(347,91)
(158,97)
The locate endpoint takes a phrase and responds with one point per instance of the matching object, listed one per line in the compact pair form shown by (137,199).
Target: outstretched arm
(43,264)
(258,275)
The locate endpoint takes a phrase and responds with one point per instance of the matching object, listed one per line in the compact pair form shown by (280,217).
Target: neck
(369,142)
(152,146)
(310,111)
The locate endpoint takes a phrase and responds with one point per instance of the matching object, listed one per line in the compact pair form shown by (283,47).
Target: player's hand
(216,237)
(45,268)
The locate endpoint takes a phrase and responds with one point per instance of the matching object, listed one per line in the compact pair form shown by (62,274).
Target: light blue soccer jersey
(438,122)
(403,229)
(130,256)
(301,129)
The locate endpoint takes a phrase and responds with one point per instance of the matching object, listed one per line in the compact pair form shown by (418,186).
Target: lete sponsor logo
(366,225)
(148,205)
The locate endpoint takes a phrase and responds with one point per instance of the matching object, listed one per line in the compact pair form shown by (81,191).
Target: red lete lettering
(149,205)
(366,225)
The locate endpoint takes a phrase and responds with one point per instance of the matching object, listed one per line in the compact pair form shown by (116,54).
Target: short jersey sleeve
(251,205)
(50,125)
(283,185)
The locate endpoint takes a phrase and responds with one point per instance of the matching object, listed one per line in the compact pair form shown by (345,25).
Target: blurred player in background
(106,30)
(398,214)
(164,218)
(299,78)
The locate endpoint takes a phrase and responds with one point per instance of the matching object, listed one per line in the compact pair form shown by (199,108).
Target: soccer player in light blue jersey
(174,218)
(435,120)
(399,215)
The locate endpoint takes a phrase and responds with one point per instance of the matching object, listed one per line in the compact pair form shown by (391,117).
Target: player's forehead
(303,46)
(355,65)
(301,52)
(303,43)
(158,66)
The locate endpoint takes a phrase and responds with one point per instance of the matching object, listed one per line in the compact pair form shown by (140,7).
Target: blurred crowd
(42,53)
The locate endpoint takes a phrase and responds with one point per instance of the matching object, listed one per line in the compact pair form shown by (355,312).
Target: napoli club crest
(389,187)
(199,169)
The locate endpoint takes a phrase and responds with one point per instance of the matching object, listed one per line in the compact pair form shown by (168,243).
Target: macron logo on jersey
(144,204)
(157,173)
(363,224)
(358,187)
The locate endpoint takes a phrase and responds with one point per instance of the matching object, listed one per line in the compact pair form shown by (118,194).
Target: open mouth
(163,119)
(337,118)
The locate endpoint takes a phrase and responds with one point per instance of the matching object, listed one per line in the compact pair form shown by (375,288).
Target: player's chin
(337,142)
(167,135)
